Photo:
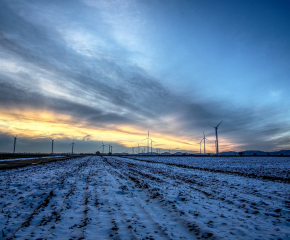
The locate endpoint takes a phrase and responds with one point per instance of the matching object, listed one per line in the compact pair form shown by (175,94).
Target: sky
(87,71)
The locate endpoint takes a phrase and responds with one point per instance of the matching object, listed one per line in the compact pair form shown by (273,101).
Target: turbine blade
(219,124)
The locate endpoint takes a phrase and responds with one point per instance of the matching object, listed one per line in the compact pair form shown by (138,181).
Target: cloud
(95,77)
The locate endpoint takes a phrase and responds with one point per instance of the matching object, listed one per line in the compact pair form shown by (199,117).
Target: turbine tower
(103,145)
(52,141)
(200,146)
(111,149)
(72,148)
(14,143)
(133,149)
(151,145)
(138,148)
(204,143)
(216,135)
(147,142)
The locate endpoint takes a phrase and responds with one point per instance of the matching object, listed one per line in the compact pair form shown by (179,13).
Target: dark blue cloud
(212,61)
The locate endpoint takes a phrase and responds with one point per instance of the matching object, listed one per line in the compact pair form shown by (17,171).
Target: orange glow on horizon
(35,124)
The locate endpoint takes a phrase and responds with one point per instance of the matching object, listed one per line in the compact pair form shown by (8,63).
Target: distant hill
(258,152)
(229,153)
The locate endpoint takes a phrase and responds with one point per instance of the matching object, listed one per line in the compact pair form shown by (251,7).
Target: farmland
(97,197)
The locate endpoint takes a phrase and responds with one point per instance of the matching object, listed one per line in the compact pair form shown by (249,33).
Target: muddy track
(141,209)
(142,181)
(244,208)
(27,221)
(52,188)
(36,196)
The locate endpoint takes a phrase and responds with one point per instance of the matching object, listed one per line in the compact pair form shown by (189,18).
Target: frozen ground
(119,198)
(275,168)
(17,159)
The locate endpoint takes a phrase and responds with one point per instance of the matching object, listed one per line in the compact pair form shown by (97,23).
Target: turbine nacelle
(217,126)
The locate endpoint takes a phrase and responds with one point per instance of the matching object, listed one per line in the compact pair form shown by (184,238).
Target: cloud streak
(66,66)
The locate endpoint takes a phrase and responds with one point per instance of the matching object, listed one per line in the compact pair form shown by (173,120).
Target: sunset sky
(110,70)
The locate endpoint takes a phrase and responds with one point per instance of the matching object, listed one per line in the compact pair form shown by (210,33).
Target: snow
(17,159)
(267,167)
(120,198)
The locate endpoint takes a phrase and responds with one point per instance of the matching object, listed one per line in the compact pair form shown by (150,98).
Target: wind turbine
(151,145)
(72,148)
(103,145)
(110,148)
(147,142)
(52,141)
(133,149)
(204,143)
(138,148)
(200,146)
(14,143)
(216,135)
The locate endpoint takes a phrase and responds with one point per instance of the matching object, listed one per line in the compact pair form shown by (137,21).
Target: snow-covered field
(18,159)
(121,198)
(266,167)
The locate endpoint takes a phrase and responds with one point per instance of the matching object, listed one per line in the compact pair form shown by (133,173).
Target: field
(97,197)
